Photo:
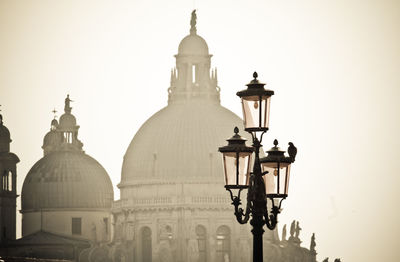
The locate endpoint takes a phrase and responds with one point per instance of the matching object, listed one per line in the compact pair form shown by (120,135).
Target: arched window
(223,243)
(168,230)
(201,234)
(146,244)
(6,181)
(9,181)
(68,137)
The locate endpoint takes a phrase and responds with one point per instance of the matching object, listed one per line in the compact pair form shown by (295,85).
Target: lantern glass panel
(256,111)
(276,182)
(237,175)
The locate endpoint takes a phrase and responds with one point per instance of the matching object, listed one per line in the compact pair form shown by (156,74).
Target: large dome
(193,45)
(67,179)
(180,143)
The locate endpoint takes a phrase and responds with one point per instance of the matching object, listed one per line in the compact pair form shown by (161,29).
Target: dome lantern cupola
(192,79)
(5,139)
(53,139)
(69,129)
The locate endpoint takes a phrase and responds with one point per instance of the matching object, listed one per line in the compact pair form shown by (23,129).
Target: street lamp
(270,177)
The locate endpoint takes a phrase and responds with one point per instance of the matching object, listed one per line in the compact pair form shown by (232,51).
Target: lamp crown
(255,88)
(255,75)
(236,143)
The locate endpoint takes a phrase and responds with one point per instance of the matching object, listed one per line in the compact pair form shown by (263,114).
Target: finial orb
(275,142)
(236,130)
(255,75)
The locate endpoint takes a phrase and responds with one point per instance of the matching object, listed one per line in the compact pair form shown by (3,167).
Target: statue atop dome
(193,19)
(67,107)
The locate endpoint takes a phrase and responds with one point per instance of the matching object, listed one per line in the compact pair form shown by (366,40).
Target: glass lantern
(256,102)
(277,167)
(236,160)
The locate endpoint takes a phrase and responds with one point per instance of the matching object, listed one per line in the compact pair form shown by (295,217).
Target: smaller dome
(193,45)
(54,123)
(67,180)
(67,121)
(5,138)
(52,138)
(4,134)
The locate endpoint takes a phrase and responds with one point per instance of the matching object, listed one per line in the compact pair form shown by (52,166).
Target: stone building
(66,198)
(67,192)
(8,186)
(173,199)
(173,205)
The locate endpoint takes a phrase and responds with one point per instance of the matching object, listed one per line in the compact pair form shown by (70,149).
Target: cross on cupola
(54,112)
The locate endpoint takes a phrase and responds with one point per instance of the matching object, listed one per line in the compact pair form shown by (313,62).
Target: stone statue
(213,250)
(164,252)
(312,244)
(104,226)
(193,250)
(67,107)
(118,231)
(193,19)
(298,228)
(292,228)
(284,233)
(337,260)
(93,232)
(326,260)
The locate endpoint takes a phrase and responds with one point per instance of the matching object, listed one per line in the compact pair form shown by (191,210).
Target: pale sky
(334,67)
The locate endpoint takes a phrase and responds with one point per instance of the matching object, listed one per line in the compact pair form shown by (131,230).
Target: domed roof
(5,138)
(54,123)
(67,120)
(4,134)
(193,45)
(180,143)
(52,138)
(66,179)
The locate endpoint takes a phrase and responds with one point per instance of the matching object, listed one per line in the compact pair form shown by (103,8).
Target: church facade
(173,205)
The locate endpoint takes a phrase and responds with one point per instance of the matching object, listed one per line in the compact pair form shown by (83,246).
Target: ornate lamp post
(269,181)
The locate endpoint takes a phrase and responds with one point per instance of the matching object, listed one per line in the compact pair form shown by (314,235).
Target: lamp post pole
(270,177)
(257,197)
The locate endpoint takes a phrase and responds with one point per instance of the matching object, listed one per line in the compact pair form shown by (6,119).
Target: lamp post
(268,183)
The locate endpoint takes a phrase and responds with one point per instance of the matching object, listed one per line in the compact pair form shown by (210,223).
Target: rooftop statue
(312,244)
(284,233)
(67,107)
(297,230)
(193,29)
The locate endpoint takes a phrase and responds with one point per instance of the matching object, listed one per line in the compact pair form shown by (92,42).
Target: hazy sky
(334,67)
